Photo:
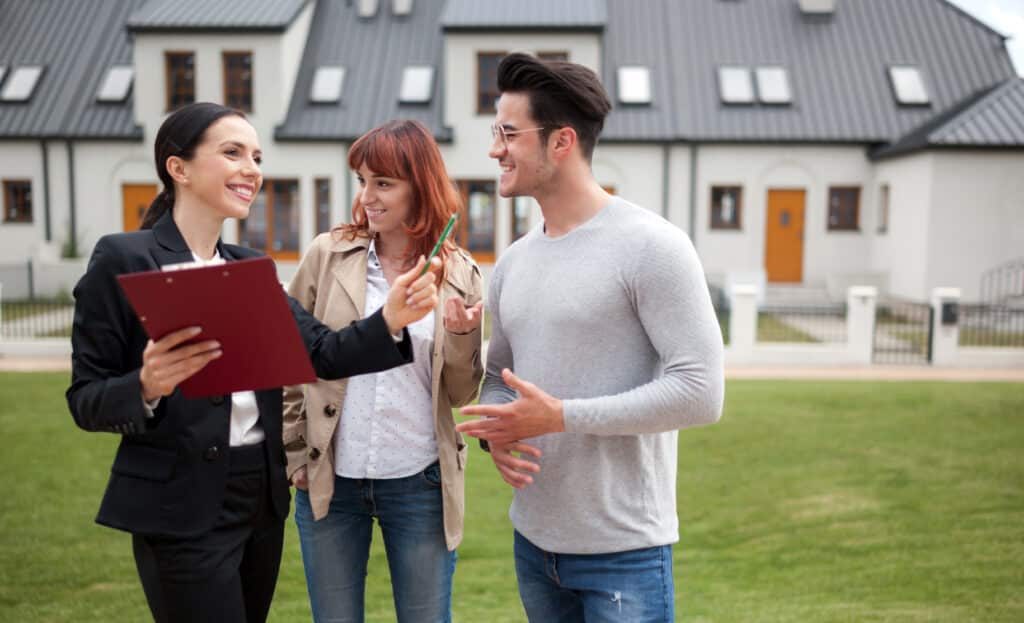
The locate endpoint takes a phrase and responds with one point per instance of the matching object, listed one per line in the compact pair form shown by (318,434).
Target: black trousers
(226,575)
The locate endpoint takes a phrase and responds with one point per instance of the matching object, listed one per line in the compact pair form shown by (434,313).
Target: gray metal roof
(178,15)
(374,52)
(992,118)
(76,42)
(525,14)
(837,67)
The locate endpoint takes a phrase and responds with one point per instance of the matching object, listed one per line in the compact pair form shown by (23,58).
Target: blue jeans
(634,586)
(335,549)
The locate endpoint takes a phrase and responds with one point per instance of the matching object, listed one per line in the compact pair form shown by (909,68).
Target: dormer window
(734,85)
(327,83)
(773,85)
(908,85)
(117,83)
(417,85)
(634,85)
(21,84)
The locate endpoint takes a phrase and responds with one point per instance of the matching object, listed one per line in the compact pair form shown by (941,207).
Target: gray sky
(1007,17)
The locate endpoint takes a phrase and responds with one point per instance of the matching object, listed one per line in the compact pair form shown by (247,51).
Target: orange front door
(784,236)
(136,198)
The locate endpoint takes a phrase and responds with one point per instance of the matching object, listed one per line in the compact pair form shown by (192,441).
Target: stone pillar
(945,328)
(860,322)
(742,320)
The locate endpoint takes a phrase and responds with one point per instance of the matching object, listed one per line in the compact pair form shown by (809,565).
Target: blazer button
(314,453)
(330,411)
(212,453)
(217,400)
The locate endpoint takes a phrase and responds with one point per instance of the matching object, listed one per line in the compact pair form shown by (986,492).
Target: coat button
(314,453)
(212,453)
(217,400)
(330,411)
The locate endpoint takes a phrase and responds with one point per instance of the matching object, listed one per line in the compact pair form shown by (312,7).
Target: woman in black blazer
(201,483)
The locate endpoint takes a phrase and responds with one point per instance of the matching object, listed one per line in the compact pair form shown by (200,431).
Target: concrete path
(853,373)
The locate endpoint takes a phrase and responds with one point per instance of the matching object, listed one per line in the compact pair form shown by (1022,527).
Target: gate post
(945,328)
(860,322)
(742,321)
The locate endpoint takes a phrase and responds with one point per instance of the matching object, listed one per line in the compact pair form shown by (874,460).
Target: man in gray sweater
(604,343)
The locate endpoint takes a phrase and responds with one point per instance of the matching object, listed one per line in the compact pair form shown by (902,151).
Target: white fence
(858,348)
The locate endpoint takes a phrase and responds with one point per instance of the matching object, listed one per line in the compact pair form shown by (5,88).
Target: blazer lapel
(171,247)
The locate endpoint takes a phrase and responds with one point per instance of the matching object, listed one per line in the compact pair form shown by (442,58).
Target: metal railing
(36,318)
(984,324)
(1004,283)
(720,301)
(817,323)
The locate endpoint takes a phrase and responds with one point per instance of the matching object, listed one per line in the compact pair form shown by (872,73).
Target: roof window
(734,85)
(773,85)
(327,83)
(634,85)
(417,84)
(908,84)
(116,84)
(21,84)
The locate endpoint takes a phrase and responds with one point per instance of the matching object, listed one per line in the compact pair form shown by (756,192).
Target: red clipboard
(240,304)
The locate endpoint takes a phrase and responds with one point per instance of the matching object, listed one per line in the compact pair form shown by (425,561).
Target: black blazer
(168,477)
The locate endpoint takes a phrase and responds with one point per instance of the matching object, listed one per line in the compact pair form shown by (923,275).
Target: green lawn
(810,501)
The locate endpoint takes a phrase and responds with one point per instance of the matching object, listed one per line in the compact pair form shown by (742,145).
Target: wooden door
(784,236)
(135,199)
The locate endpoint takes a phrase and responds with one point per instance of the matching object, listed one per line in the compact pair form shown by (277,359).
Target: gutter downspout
(72,224)
(665,168)
(46,191)
(693,195)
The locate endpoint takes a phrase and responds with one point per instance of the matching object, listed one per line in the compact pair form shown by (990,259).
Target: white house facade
(821,143)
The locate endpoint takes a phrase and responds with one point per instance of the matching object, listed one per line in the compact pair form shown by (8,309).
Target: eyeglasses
(500,131)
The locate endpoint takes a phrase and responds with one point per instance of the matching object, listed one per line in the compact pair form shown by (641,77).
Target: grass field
(809,501)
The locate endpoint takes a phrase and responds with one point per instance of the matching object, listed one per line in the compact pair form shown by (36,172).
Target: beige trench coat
(331,283)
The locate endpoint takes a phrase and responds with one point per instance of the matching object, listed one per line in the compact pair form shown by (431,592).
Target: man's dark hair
(560,93)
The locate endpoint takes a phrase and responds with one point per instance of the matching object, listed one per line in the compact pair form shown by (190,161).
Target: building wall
(760,168)
(275,64)
(977,219)
(101,168)
(903,250)
(22,160)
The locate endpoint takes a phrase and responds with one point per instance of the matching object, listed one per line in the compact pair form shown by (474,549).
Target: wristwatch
(486,447)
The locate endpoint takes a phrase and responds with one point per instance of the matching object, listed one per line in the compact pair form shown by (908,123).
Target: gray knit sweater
(615,319)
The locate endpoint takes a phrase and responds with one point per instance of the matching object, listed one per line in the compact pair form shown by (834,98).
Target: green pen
(440,241)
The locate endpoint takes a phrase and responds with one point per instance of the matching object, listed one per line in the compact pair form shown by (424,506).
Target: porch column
(945,326)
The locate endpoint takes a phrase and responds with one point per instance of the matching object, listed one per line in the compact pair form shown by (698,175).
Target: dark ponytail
(179,135)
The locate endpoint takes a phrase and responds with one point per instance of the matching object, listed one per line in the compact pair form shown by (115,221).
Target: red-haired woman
(383,446)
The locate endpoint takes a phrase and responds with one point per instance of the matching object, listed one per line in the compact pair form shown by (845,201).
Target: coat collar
(172,247)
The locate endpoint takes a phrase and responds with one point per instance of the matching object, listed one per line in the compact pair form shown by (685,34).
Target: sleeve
(105,394)
(363,347)
(302,288)
(462,372)
(499,354)
(672,301)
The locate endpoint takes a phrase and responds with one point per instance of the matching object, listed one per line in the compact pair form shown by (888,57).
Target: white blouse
(387,419)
